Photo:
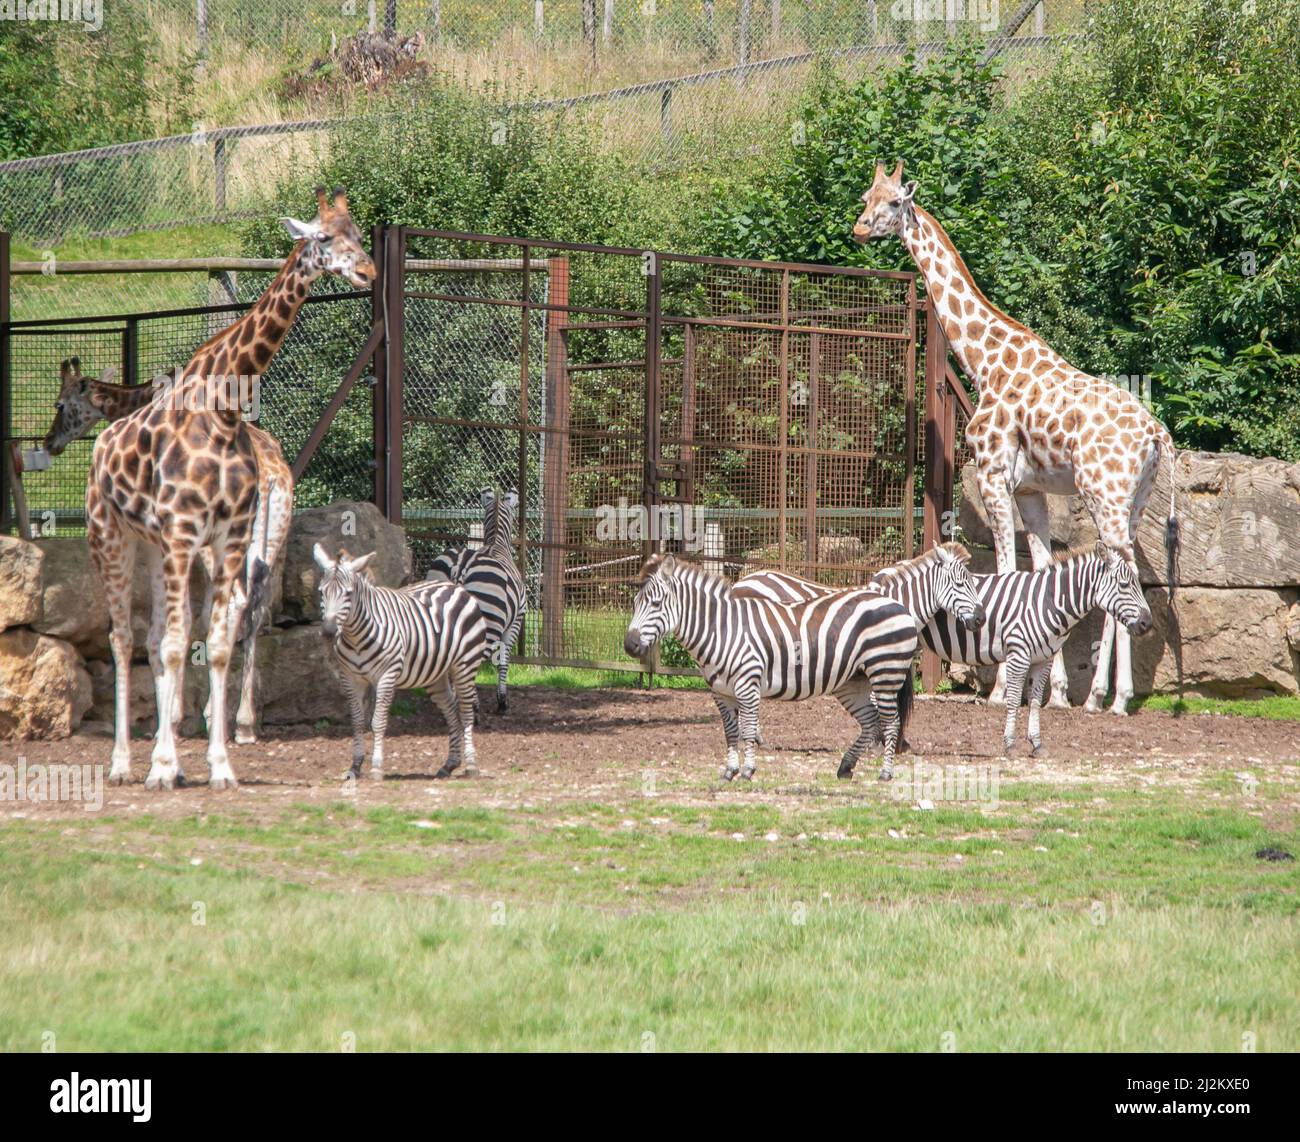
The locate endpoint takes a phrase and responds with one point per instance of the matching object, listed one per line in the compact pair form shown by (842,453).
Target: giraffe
(1041,425)
(180,474)
(83,401)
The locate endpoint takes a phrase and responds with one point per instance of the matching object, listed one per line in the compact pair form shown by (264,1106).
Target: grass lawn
(1063,918)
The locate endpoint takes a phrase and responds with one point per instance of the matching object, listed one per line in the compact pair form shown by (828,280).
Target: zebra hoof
(729,774)
(885,775)
(747,773)
(844,773)
(446,771)
(502,705)
(1037,750)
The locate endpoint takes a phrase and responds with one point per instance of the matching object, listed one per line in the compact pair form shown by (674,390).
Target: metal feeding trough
(36,460)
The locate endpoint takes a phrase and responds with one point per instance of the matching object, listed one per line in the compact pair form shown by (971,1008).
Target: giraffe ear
(301,231)
(109,374)
(909,191)
(322,557)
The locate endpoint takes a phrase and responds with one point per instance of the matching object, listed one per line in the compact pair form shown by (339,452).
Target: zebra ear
(512,500)
(358,564)
(322,557)
(1102,550)
(486,496)
(668,566)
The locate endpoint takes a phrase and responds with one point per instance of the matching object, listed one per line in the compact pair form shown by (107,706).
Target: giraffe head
(338,587)
(886,206)
(332,243)
(77,410)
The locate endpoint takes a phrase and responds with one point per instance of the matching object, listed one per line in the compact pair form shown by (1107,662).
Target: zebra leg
(357,689)
(1016,669)
(465,695)
(508,640)
(383,699)
(749,730)
(1038,536)
(1037,687)
(856,698)
(444,697)
(731,727)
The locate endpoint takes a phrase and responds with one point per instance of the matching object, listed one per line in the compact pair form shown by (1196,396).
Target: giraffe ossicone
(1041,426)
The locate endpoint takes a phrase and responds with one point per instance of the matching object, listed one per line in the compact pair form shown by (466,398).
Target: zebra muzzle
(632,643)
(328,628)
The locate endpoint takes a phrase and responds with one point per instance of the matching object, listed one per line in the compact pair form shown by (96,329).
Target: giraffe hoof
(221,784)
(1058,702)
(245,737)
(153,782)
(1093,704)
(377,774)
(467,771)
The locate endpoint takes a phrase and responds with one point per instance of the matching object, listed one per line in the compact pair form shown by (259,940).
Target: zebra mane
(683,567)
(1098,549)
(911,568)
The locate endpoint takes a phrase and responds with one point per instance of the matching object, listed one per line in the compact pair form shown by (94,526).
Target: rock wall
(56,667)
(1236,622)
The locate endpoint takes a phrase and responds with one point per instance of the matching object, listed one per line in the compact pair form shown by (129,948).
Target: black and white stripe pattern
(428,634)
(491,576)
(1027,617)
(939,580)
(848,644)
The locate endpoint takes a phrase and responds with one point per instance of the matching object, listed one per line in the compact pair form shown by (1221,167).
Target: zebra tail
(905,696)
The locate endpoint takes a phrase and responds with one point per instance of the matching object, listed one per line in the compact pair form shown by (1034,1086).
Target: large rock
(44,687)
(20,582)
(1239,518)
(143,696)
(298,678)
(75,607)
(359,527)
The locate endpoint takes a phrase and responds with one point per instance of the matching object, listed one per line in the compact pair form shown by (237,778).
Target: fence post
(938,463)
(666,114)
(395,372)
(379,367)
(6,410)
(607,25)
(555,470)
(743,44)
(219,175)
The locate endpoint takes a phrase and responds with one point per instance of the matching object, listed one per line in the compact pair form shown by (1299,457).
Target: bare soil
(569,746)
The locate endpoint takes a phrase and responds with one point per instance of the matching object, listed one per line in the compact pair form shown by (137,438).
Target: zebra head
(656,609)
(954,586)
(499,514)
(1120,593)
(338,587)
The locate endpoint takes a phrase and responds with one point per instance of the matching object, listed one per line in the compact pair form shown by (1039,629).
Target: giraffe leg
(995,490)
(1037,687)
(157,622)
(177,558)
(227,608)
(1038,533)
(246,715)
(731,727)
(1100,686)
(114,555)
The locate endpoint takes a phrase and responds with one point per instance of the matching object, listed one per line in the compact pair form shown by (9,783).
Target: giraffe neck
(245,348)
(116,401)
(981,335)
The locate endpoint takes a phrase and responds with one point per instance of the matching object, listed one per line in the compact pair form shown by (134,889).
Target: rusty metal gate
(753,414)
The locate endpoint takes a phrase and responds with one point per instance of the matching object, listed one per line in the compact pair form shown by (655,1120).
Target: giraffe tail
(1170,455)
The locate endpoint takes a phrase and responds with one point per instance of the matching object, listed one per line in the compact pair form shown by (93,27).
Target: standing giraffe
(1041,424)
(83,402)
(181,474)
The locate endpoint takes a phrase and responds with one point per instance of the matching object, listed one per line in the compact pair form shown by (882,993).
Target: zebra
(847,644)
(491,576)
(426,634)
(1028,616)
(940,579)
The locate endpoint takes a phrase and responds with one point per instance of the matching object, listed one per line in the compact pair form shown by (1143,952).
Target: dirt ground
(556,746)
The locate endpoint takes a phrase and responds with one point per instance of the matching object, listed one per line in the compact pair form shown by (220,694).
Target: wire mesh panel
(524,370)
(793,420)
(139,348)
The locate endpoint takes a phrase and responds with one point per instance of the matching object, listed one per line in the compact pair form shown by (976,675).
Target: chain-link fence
(678,85)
